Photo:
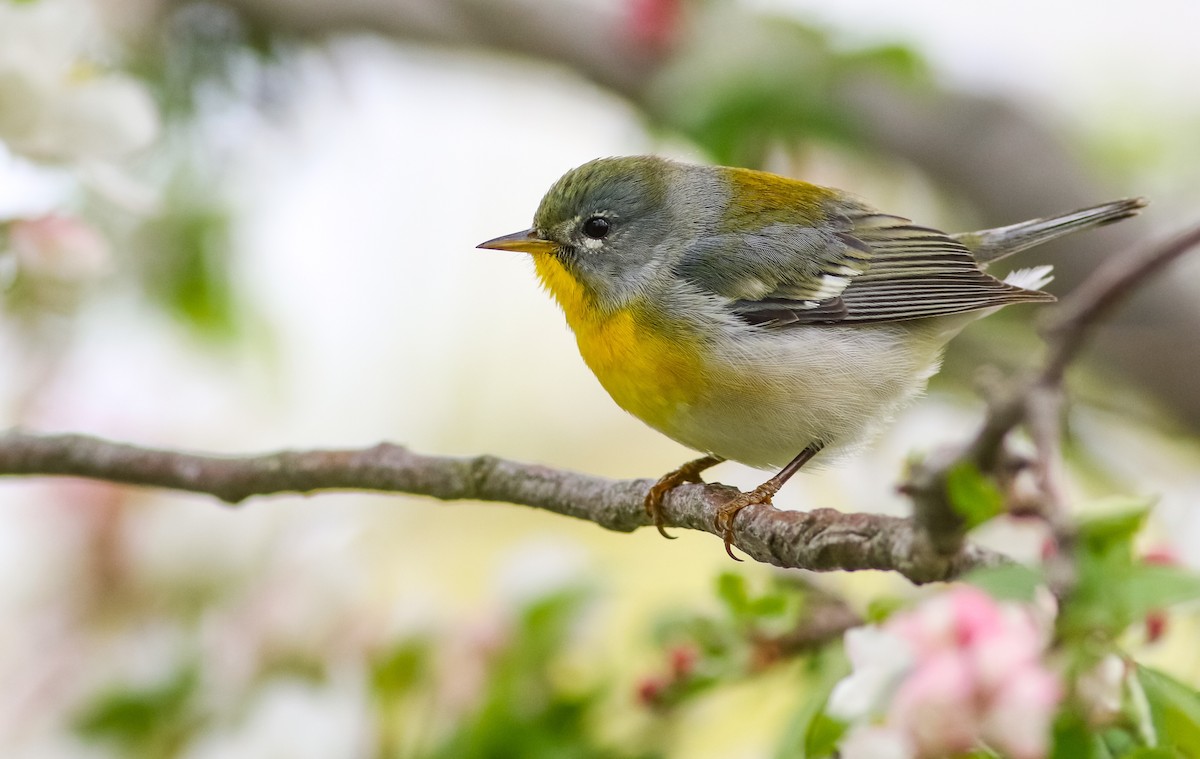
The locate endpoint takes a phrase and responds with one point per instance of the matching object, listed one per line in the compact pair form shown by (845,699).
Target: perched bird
(758,318)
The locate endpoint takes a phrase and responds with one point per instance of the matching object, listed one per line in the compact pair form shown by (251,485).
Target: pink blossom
(58,247)
(959,671)
(655,23)
(1163,555)
(1018,718)
(933,705)
(1156,625)
(650,691)
(683,660)
(1011,642)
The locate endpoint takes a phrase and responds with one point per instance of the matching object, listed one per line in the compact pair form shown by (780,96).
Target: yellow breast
(652,369)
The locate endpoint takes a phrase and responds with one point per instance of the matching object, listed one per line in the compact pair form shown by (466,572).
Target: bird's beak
(527,241)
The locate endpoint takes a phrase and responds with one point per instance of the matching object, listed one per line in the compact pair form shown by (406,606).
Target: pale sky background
(1064,54)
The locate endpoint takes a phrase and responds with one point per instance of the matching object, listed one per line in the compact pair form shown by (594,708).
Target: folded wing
(871,268)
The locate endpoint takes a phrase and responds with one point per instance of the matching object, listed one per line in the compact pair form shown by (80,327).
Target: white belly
(783,390)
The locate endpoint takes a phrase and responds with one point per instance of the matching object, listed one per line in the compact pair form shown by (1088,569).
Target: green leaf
(823,735)
(1011,582)
(770,605)
(1112,531)
(400,669)
(525,707)
(894,59)
(1113,589)
(1152,586)
(746,83)
(731,588)
(1111,595)
(153,721)
(879,609)
(812,734)
(186,268)
(972,495)
(1074,740)
(1119,741)
(1174,709)
(184,255)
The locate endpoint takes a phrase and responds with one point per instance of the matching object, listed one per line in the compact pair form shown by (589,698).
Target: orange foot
(761,495)
(689,472)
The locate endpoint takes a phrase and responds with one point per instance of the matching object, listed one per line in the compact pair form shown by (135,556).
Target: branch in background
(747,640)
(1037,403)
(826,618)
(820,540)
(1113,282)
(989,150)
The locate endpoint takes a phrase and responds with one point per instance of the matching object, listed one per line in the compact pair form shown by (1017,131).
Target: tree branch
(1112,283)
(819,540)
(1037,403)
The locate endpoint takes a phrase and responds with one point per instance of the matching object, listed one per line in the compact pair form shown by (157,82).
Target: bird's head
(603,225)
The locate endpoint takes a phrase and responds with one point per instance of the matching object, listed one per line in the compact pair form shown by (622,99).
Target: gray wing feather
(875,268)
(782,262)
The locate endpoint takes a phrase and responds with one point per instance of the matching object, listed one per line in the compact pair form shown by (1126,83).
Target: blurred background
(249,225)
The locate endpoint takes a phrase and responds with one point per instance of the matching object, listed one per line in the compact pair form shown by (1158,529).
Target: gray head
(602,221)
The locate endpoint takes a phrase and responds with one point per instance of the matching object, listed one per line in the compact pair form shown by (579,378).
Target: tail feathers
(994,244)
(1034,278)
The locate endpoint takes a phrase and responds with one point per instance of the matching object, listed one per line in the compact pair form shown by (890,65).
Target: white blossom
(57,104)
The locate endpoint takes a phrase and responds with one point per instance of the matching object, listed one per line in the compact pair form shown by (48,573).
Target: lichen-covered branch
(820,540)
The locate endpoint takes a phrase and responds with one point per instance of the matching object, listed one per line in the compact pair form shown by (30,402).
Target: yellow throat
(651,368)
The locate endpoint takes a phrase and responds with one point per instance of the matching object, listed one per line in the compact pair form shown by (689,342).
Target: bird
(762,319)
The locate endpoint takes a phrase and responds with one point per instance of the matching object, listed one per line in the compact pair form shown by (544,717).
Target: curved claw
(653,504)
(689,472)
(760,495)
(728,547)
(723,521)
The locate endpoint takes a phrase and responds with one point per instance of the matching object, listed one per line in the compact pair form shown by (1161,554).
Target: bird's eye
(597,227)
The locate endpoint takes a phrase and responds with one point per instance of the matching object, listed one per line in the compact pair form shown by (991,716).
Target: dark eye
(596,227)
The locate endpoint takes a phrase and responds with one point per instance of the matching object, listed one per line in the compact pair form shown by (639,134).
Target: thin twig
(1040,404)
(1037,402)
(1113,282)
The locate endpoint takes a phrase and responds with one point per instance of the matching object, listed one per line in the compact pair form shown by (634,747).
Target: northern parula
(758,318)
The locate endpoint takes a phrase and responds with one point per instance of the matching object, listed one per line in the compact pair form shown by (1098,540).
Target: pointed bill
(526,241)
